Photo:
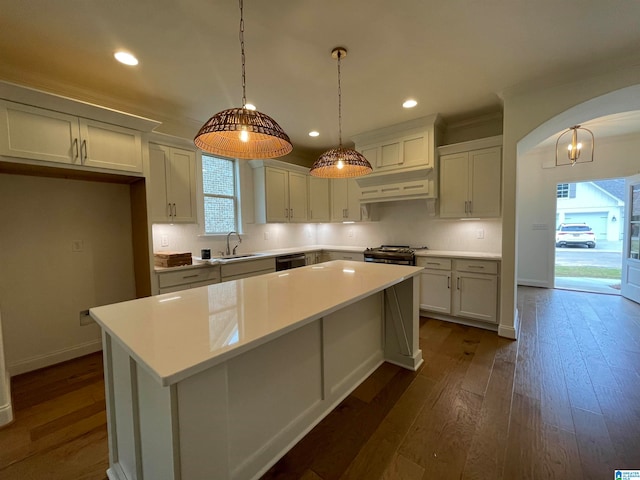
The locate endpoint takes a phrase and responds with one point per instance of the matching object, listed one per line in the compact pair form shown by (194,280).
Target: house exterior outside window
(566,190)
(219,187)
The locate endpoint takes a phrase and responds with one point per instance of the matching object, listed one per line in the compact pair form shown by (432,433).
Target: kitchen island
(218,382)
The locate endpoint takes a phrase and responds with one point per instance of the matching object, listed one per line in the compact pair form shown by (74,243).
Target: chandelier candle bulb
(574,148)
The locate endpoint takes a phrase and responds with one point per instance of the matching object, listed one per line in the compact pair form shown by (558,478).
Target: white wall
(614,158)
(43,283)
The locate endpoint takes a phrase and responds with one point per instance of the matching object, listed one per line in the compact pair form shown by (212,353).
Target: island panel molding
(220,381)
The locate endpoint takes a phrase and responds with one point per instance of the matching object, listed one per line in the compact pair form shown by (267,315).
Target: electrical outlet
(480,233)
(85,318)
(164,240)
(77,246)
(350,232)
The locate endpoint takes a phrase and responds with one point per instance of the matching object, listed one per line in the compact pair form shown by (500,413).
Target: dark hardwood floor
(561,403)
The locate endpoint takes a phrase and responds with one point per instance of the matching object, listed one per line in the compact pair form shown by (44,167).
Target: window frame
(235,197)
(566,190)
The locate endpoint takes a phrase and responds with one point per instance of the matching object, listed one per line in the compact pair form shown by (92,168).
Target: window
(566,190)
(220,195)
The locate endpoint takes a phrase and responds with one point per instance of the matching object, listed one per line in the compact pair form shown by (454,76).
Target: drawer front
(191,275)
(435,263)
(248,267)
(476,266)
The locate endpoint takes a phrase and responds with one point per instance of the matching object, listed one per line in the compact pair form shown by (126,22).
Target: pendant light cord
(244,83)
(339,104)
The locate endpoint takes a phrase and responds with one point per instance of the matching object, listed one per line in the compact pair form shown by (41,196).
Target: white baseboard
(6,412)
(509,331)
(525,282)
(40,361)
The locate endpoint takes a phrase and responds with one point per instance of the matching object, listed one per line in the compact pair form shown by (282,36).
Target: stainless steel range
(397,254)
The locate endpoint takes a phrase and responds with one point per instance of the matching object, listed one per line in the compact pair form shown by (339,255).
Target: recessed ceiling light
(409,103)
(314,134)
(126,58)
(249,106)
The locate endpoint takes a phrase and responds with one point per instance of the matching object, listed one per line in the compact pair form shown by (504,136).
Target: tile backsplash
(401,223)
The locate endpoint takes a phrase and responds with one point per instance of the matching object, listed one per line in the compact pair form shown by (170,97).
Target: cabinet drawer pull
(477,266)
(169,210)
(448,283)
(458,283)
(470,206)
(190,276)
(291,213)
(75,147)
(434,263)
(175,211)
(83,150)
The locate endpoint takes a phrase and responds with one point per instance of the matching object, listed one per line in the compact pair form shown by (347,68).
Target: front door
(630,287)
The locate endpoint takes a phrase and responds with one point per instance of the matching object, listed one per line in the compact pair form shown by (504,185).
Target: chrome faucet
(228,252)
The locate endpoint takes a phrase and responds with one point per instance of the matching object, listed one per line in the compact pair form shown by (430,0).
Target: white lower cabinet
(311,258)
(175,280)
(247,268)
(460,288)
(329,255)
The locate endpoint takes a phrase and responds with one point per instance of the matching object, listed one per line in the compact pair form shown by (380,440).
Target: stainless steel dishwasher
(285,262)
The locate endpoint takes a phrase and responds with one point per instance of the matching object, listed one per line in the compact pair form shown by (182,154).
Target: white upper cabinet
(38,134)
(281,192)
(298,196)
(345,200)
(470,179)
(406,146)
(172,181)
(319,199)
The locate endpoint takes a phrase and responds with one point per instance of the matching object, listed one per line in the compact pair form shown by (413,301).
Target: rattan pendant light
(340,162)
(243,132)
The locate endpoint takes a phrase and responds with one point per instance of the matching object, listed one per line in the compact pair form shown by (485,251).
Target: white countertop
(458,254)
(176,335)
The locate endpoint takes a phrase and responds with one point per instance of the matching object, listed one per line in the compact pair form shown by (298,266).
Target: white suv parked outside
(575,234)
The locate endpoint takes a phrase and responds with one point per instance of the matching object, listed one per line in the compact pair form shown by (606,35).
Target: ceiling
(455,57)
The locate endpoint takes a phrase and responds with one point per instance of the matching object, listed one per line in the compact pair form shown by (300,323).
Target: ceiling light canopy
(340,162)
(243,132)
(580,138)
